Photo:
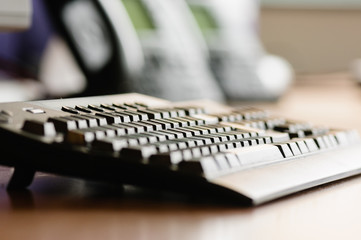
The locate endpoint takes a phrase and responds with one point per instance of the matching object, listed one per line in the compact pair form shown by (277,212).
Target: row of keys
(131,130)
(241,158)
(135,109)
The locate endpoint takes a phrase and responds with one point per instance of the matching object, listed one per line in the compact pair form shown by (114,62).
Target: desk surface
(62,208)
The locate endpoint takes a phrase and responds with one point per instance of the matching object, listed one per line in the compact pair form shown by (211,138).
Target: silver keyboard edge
(277,180)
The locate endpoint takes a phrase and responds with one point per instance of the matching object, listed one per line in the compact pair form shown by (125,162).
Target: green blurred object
(204,19)
(138,14)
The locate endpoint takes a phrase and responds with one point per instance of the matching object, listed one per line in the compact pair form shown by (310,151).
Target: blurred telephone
(238,60)
(146,46)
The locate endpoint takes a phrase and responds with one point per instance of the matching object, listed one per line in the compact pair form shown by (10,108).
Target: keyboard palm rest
(199,147)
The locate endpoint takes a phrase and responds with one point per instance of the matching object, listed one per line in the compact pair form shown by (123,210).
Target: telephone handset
(147,46)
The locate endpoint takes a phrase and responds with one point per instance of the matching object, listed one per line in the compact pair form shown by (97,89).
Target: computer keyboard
(243,155)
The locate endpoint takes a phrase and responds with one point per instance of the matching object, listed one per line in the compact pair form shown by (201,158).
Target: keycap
(91,122)
(151,114)
(46,129)
(69,110)
(138,153)
(63,124)
(84,136)
(83,109)
(111,118)
(95,108)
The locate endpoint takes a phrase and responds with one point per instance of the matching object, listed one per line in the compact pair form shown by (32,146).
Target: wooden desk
(62,208)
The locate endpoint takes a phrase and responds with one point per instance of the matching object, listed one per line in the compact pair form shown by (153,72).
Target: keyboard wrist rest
(283,178)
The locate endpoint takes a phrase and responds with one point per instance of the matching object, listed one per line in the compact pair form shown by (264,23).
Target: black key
(192,110)
(194,132)
(107,107)
(125,118)
(204,166)
(160,137)
(171,112)
(202,131)
(129,128)
(146,127)
(90,121)
(110,144)
(188,141)
(110,117)
(164,113)
(69,110)
(136,139)
(207,128)
(84,136)
(205,140)
(4,118)
(169,135)
(100,120)
(95,108)
(151,114)
(198,121)
(173,124)
(181,122)
(166,159)
(165,125)
(141,116)
(120,106)
(125,127)
(166,146)
(62,124)
(197,141)
(156,126)
(184,133)
(109,132)
(150,138)
(46,129)
(141,104)
(132,117)
(80,123)
(118,130)
(83,109)
(133,105)
(138,153)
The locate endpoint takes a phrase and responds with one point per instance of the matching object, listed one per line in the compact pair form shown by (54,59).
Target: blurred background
(178,50)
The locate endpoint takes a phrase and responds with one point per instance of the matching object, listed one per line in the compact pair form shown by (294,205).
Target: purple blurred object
(20,52)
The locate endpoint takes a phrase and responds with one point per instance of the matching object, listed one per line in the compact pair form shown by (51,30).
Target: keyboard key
(63,124)
(80,123)
(285,150)
(95,108)
(46,129)
(69,110)
(84,136)
(91,122)
(110,144)
(110,117)
(138,153)
(83,109)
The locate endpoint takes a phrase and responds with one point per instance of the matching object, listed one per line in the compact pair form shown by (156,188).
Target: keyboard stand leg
(21,178)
